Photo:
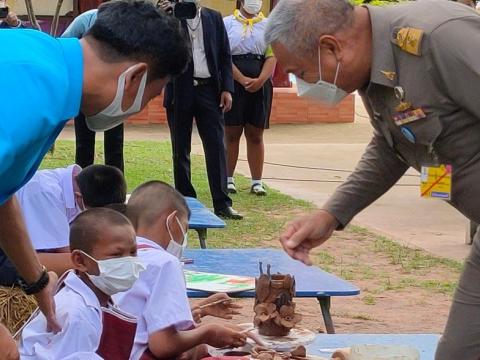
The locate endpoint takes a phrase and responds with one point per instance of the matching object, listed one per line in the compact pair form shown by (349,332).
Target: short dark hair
(101,185)
(151,199)
(90,225)
(138,30)
(121,208)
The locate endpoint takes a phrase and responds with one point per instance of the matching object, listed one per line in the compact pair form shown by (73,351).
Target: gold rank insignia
(390,75)
(410,40)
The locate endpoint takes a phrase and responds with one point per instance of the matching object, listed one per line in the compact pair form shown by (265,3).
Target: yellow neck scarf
(247,23)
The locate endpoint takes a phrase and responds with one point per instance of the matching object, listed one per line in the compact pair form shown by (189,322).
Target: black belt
(202,81)
(248,57)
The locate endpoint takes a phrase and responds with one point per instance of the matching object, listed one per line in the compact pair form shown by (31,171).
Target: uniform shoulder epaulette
(410,40)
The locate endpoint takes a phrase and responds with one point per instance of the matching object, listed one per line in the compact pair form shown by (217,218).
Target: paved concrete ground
(400,214)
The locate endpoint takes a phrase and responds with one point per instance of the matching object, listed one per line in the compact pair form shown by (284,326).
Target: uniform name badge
(436,182)
(408,116)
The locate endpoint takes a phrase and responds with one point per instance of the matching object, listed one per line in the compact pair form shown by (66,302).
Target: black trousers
(210,124)
(85,144)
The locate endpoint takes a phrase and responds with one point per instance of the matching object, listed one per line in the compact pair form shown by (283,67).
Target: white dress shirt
(245,39)
(158,298)
(79,314)
(48,206)
(195,30)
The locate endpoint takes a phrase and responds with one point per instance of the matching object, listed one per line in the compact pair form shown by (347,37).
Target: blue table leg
(327,318)
(202,236)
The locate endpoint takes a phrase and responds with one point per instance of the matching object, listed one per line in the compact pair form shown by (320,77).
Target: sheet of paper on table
(214,283)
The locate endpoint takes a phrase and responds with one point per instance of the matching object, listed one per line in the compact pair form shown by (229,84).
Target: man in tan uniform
(417,68)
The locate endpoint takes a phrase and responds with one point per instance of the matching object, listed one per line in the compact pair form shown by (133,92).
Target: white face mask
(174,247)
(113,114)
(117,274)
(252,7)
(322,91)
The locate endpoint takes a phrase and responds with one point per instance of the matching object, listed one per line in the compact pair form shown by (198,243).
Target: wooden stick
(213,303)
(247,330)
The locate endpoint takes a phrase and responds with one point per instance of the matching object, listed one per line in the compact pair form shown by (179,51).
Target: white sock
(230,180)
(256,182)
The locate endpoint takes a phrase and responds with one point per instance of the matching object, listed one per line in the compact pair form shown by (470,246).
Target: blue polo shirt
(41,90)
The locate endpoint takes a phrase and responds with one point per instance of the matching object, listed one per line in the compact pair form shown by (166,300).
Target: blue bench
(311,281)
(325,345)
(202,219)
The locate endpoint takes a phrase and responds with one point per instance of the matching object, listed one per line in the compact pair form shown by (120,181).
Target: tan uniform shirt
(442,76)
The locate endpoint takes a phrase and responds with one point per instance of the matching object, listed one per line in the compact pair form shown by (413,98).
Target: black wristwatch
(36,287)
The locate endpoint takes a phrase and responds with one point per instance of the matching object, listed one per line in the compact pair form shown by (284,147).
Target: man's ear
(331,45)
(134,76)
(78,260)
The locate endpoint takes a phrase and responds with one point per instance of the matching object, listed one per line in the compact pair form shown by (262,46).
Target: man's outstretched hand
(307,232)
(46,303)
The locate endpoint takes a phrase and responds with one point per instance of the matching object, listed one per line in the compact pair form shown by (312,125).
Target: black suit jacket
(219,60)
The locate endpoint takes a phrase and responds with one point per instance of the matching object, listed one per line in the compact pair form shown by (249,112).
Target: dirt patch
(402,290)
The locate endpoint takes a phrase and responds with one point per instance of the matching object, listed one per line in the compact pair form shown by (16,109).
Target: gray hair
(298,24)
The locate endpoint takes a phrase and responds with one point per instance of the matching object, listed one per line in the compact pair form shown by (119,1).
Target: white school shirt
(195,30)
(80,316)
(48,206)
(158,298)
(245,40)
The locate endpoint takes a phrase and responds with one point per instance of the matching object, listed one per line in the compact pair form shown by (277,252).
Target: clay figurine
(274,307)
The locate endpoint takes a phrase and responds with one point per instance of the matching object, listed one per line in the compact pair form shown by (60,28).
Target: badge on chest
(436,182)
(408,116)
(405,113)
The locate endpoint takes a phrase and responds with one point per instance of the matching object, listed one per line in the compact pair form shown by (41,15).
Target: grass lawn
(150,160)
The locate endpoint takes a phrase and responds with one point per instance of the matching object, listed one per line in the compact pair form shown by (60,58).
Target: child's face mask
(174,247)
(117,274)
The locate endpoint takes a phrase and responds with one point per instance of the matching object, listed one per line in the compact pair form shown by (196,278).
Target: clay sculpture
(274,307)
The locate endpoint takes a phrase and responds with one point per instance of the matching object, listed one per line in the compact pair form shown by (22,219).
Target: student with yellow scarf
(253,66)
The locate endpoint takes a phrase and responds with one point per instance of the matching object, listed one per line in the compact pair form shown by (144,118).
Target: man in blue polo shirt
(125,60)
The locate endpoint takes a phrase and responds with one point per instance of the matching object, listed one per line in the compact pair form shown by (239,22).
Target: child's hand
(197,314)
(224,310)
(222,336)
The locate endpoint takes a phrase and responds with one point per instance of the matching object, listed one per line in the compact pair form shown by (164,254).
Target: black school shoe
(258,190)
(229,213)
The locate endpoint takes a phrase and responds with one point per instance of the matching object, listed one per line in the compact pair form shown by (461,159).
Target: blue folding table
(202,219)
(310,281)
(325,345)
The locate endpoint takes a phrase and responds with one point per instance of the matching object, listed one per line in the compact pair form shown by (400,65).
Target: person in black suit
(84,137)
(204,92)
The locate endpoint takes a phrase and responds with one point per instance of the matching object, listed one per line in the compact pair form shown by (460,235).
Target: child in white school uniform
(104,255)
(51,200)
(159,299)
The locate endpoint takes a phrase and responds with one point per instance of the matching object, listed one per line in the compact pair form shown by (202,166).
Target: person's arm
(169,343)
(56,262)
(15,242)
(267,71)
(225,60)
(378,170)
(80,25)
(454,62)
(239,77)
